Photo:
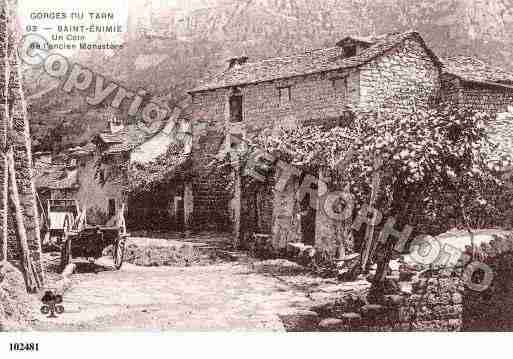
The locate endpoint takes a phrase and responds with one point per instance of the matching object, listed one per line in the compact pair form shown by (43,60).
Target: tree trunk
(369,230)
(4,209)
(26,261)
(18,173)
(466,222)
(3,128)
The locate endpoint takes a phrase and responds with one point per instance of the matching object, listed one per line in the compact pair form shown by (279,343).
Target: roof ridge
(375,38)
(275,68)
(474,69)
(291,55)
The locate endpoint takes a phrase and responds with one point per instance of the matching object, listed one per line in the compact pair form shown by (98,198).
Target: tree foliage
(425,159)
(144,177)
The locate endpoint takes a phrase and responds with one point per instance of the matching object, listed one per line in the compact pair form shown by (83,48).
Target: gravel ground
(235,294)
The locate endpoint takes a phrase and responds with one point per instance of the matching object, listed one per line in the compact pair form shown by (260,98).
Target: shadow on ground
(92,267)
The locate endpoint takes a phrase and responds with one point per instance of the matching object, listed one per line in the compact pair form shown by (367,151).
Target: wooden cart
(53,217)
(84,241)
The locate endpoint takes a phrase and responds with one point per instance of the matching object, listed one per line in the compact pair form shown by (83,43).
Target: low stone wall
(154,252)
(430,302)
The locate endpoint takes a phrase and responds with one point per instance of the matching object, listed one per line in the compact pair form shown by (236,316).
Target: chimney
(42,159)
(354,45)
(114,124)
(237,61)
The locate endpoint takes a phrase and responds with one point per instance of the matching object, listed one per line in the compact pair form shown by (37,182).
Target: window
(340,84)
(112,207)
(101,175)
(349,51)
(236,108)
(285,95)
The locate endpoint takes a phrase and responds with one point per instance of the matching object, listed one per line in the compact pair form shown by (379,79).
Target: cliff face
(177,43)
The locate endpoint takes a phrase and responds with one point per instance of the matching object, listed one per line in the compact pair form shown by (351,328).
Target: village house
(54,180)
(103,174)
(393,72)
(97,175)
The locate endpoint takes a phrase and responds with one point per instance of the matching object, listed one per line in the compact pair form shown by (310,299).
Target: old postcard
(255,166)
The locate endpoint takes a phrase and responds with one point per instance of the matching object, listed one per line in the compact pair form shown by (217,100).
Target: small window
(236,108)
(350,51)
(285,95)
(112,207)
(101,175)
(340,84)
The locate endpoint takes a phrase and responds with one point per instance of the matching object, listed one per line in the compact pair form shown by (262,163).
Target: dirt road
(240,295)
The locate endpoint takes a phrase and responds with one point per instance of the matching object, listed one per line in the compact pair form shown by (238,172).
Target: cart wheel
(119,253)
(65,253)
(66,226)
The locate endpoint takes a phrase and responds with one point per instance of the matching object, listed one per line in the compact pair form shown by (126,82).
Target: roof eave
(484,83)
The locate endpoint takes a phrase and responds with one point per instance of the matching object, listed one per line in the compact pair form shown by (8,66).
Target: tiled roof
(179,165)
(116,137)
(474,70)
(125,139)
(145,176)
(310,62)
(82,150)
(56,177)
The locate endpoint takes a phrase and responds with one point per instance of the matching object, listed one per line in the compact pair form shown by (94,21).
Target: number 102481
(24,347)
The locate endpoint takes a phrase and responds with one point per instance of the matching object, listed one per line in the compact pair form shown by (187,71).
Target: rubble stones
(435,304)
(331,324)
(300,320)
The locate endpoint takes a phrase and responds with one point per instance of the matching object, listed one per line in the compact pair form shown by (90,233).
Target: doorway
(308,215)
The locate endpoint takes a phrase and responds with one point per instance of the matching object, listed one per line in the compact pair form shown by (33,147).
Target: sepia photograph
(243,166)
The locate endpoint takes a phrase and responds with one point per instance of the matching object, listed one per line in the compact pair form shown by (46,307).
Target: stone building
(471,82)
(102,174)
(54,180)
(393,72)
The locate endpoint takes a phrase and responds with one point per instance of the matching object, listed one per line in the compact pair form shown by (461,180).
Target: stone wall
(286,226)
(450,89)
(485,98)
(392,82)
(389,81)
(433,302)
(256,208)
(312,97)
(211,186)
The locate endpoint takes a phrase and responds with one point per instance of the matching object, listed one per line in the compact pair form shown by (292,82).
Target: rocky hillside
(200,36)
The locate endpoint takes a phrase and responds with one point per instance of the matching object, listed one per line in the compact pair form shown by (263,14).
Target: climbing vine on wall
(144,177)
(423,159)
